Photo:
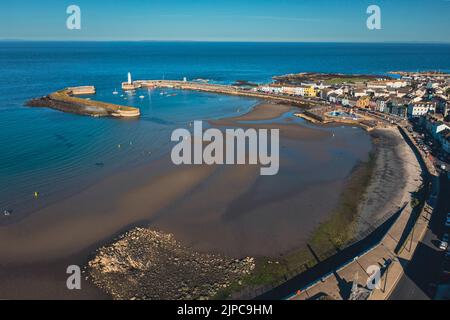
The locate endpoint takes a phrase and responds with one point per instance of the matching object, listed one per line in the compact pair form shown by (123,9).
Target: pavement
(423,271)
(407,240)
(407,256)
(391,255)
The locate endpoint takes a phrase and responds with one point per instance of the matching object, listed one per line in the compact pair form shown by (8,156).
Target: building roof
(399,101)
(404,90)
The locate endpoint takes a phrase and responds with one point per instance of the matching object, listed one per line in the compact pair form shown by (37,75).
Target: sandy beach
(263,111)
(391,180)
(228,210)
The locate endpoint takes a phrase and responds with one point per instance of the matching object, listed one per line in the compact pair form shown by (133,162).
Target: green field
(352,80)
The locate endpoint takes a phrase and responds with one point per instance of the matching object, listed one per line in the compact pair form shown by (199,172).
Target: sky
(227,20)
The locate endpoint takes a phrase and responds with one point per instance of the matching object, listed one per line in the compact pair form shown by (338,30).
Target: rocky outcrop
(146,264)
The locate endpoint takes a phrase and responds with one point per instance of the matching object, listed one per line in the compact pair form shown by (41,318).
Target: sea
(46,155)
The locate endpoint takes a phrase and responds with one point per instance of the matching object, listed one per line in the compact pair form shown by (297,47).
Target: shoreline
(389,182)
(363,171)
(349,220)
(70,215)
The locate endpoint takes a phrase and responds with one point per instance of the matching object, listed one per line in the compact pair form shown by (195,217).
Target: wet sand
(263,111)
(229,210)
(391,179)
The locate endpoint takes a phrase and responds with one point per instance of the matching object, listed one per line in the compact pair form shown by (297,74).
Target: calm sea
(57,154)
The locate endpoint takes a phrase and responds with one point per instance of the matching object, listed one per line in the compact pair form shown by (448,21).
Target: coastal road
(424,269)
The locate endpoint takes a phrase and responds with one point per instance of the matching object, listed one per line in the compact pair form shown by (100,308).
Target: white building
(420,108)
(339,91)
(434,126)
(377,85)
(397,84)
(271,89)
(359,93)
(444,139)
(333,97)
(300,91)
(289,90)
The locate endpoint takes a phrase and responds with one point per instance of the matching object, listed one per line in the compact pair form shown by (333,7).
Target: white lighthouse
(129,85)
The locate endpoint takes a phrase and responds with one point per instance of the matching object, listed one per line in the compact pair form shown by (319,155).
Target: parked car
(447,256)
(443,245)
(445,237)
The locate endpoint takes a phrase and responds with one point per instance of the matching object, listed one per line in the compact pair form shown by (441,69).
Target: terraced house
(363,102)
(420,108)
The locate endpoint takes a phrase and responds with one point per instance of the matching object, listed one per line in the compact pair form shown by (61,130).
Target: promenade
(397,247)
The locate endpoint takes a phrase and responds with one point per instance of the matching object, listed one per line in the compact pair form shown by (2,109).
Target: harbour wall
(223,89)
(64,100)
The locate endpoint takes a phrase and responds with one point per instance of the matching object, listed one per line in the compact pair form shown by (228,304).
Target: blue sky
(227,20)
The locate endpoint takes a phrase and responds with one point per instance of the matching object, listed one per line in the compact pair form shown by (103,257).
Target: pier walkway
(225,89)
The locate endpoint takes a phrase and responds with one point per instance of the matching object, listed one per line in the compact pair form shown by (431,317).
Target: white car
(443,245)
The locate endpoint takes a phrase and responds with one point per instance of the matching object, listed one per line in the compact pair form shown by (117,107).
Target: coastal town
(419,105)
(412,108)
(420,98)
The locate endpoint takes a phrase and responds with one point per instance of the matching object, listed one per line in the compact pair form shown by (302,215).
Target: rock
(153,265)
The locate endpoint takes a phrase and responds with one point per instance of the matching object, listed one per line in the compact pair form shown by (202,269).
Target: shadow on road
(331,264)
(423,271)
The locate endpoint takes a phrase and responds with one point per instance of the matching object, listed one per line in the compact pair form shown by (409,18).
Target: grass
(63,96)
(335,233)
(338,230)
(340,80)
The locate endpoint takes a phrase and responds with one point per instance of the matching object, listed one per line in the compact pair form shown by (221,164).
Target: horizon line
(229,41)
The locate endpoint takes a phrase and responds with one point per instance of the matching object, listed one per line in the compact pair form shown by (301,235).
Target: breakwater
(64,100)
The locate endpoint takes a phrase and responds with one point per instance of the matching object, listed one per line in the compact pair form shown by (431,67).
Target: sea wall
(64,100)
(223,89)
(397,247)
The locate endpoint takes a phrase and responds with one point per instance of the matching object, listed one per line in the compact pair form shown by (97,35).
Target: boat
(141,97)
(115,91)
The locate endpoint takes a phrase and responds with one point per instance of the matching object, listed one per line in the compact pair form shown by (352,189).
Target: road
(424,269)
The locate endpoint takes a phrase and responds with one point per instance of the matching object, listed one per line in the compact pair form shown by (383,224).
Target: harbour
(214,88)
(99,178)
